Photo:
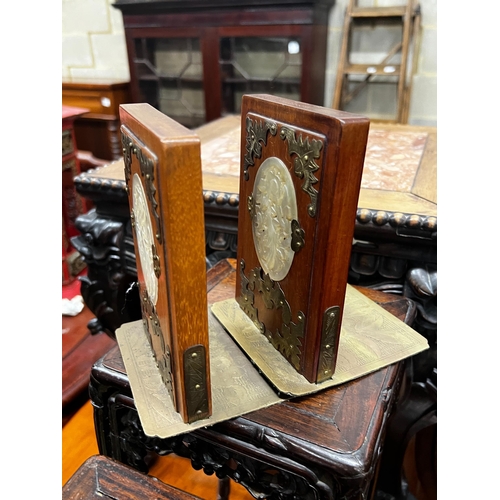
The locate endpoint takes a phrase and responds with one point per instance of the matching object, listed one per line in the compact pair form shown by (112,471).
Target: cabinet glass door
(253,65)
(170,77)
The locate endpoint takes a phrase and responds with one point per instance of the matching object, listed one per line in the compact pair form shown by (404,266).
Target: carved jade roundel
(145,239)
(274,208)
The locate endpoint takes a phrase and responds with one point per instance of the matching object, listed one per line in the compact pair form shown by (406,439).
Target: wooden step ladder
(409,17)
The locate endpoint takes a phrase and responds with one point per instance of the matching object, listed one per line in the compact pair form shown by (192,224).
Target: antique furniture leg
(224,488)
(118,431)
(418,411)
(107,247)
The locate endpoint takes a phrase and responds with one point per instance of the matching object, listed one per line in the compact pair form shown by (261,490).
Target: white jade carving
(274,208)
(145,239)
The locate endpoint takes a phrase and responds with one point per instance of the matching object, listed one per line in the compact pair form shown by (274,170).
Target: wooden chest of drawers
(72,205)
(97,130)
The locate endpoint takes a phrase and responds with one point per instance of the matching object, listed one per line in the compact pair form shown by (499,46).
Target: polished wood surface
(101,476)
(80,350)
(326,184)
(97,130)
(99,97)
(180,312)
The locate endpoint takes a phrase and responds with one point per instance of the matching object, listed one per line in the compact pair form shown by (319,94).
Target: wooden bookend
(164,186)
(301,168)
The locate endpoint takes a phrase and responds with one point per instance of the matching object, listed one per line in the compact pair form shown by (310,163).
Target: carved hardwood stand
(324,446)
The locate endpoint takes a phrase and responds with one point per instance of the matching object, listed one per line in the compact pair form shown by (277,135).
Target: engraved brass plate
(370,339)
(237,387)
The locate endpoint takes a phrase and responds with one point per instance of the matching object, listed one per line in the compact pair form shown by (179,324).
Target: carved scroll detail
(152,328)
(147,166)
(286,340)
(256,136)
(304,165)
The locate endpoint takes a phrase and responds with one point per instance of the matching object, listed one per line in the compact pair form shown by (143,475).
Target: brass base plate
(237,387)
(370,338)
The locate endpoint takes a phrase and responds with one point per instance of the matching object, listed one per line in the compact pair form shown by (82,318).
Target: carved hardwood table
(323,446)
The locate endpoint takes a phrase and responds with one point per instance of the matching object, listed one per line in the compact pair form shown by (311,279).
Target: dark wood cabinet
(194,60)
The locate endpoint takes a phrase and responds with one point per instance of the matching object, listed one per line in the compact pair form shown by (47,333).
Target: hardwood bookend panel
(301,168)
(162,171)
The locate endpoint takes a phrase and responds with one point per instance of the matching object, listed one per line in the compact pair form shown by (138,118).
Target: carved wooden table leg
(107,247)
(224,489)
(417,412)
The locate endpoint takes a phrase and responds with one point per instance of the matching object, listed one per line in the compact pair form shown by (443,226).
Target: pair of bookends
(300,177)
(162,171)
(301,168)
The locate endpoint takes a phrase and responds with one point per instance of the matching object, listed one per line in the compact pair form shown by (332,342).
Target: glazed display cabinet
(194,61)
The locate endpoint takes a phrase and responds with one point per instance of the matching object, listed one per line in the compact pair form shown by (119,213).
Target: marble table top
(399,174)
(399,171)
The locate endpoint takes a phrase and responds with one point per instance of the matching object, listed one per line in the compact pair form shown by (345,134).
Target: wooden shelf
(372,69)
(396,11)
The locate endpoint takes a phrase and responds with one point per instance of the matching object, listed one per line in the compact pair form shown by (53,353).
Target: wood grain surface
(101,476)
(181,306)
(317,277)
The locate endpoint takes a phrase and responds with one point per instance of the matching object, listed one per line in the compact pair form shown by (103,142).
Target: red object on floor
(73,289)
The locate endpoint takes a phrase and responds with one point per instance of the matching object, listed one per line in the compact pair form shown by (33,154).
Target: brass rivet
(327,346)
(194,355)
(197,386)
